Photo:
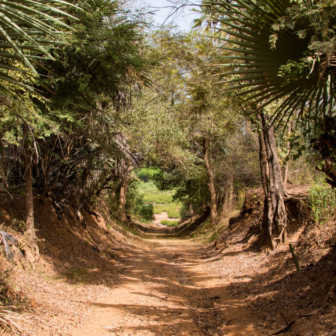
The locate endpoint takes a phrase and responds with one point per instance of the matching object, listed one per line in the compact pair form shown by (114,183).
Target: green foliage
(158,198)
(146,174)
(169,223)
(136,203)
(28,28)
(146,212)
(295,67)
(322,201)
(184,211)
(173,209)
(151,193)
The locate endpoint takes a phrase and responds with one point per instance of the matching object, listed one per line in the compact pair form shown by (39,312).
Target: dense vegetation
(99,106)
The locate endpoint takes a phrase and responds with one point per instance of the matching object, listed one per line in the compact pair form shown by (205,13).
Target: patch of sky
(170,12)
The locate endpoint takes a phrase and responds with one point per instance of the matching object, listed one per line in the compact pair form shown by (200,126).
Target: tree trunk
(275,216)
(285,180)
(191,209)
(227,199)
(123,191)
(78,204)
(212,189)
(30,226)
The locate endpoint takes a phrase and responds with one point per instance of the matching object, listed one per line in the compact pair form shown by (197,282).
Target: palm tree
(270,64)
(278,50)
(27,28)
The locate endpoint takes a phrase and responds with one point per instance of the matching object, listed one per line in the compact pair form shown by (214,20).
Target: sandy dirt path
(162,216)
(166,290)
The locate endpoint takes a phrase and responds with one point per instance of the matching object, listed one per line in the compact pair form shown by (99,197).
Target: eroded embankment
(78,262)
(280,297)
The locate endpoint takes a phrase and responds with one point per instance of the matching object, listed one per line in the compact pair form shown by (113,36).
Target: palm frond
(279,73)
(26,27)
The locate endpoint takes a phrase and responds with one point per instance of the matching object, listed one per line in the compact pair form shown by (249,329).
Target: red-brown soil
(268,282)
(94,280)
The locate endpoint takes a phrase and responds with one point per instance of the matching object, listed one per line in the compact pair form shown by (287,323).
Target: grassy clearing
(152,194)
(163,199)
(173,209)
(157,198)
(169,222)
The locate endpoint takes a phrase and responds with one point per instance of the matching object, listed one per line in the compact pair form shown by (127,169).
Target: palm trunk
(30,226)
(275,216)
(212,189)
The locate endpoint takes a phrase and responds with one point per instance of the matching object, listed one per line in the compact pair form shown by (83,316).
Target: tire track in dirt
(166,289)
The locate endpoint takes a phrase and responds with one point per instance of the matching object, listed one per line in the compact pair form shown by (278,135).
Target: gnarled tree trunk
(211,175)
(275,216)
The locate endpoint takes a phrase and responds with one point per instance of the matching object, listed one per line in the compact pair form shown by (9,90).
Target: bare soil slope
(280,297)
(79,262)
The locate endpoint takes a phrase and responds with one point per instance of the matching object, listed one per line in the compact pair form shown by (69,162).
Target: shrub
(169,222)
(146,174)
(322,202)
(146,211)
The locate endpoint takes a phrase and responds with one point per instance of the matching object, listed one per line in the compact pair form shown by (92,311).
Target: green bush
(146,174)
(169,222)
(146,211)
(322,202)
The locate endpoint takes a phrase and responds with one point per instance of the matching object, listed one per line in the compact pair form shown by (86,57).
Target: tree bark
(78,202)
(285,180)
(275,216)
(227,200)
(212,188)
(123,190)
(30,225)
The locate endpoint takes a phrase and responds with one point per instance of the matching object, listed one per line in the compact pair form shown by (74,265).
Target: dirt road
(166,289)
(162,216)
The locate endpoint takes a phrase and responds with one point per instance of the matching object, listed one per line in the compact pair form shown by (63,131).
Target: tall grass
(322,201)
(169,223)
(157,198)
(152,194)
(173,209)
(163,199)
